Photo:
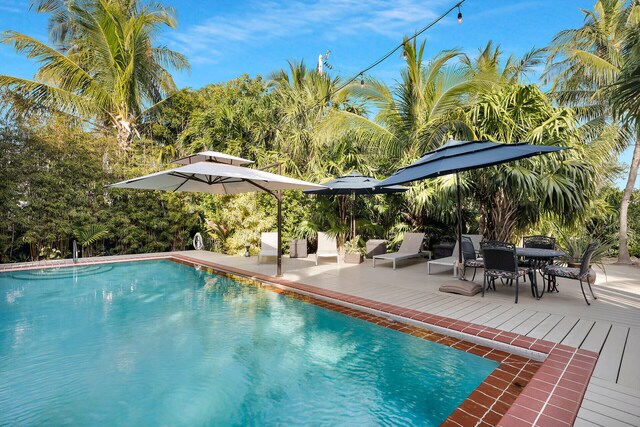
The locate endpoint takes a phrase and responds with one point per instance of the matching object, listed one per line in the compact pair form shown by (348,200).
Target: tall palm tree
(583,65)
(105,69)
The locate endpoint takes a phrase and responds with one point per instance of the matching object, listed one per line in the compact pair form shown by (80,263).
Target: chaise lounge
(411,247)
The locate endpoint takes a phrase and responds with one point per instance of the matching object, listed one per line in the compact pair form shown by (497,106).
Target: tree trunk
(623,253)
(125,134)
(501,219)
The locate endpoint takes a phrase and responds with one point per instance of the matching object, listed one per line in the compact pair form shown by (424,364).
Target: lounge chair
(327,247)
(268,245)
(411,247)
(451,261)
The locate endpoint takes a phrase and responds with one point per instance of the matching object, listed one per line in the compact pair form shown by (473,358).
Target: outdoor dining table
(538,258)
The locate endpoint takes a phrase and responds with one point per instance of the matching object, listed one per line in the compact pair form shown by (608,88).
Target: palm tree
(514,195)
(583,65)
(106,69)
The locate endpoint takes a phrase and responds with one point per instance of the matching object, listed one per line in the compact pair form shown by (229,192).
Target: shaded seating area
(327,247)
(501,262)
(581,274)
(411,247)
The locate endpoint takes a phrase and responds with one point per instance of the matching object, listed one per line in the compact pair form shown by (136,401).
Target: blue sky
(224,39)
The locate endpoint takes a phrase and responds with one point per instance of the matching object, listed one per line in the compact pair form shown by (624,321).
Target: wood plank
(597,336)
(608,364)
(546,326)
(629,369)
(450,311)
(600,419)
(500,319)
(497,311)
(468,309)
(516,320)
(581,422)
(486,308)
(617,391)
(525,327)
(578,333)
(611,413)
(562,329)
(601,396)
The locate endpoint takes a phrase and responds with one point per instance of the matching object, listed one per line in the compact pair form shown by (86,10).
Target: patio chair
(539,241)
(268,245)
(469,256)
(501,262)
(581,274)
(411,247)
(451,261)
(327,247)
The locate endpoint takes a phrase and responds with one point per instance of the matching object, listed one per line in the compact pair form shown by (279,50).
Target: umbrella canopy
(218,178)
(355,183)
(212,156)
(458,156)
(214,178)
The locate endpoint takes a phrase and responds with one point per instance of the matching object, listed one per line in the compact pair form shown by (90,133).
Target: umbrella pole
(459,208)
(279,198)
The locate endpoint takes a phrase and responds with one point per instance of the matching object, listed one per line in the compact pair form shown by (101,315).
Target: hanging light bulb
(404,51)
(361,80)
(459,15)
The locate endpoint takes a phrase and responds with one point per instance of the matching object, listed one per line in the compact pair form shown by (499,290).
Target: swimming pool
(157,342)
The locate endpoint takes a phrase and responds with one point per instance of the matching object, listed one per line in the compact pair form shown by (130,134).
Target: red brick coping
(520,392)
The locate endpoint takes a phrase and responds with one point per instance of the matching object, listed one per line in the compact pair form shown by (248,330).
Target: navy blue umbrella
(460,156)
(355,183)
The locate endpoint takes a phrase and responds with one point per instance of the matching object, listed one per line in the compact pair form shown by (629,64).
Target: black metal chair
(501,261)
(539,241)
(469,256)
(581,274)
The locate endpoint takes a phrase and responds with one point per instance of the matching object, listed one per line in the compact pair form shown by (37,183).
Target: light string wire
(395,49)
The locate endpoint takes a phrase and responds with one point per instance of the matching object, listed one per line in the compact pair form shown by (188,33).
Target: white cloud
(264,21)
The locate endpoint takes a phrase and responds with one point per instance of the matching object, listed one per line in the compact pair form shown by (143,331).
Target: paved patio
(610,326)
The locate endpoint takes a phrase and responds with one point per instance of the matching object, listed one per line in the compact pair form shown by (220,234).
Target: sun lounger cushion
(461,287)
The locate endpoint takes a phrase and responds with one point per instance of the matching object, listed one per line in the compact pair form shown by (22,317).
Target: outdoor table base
(538,258)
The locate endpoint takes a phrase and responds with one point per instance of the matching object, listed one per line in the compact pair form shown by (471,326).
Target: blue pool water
(160,343)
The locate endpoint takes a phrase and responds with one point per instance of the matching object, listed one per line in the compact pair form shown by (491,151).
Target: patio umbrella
(218,178)
(212,156)
(353,184)
(459,156)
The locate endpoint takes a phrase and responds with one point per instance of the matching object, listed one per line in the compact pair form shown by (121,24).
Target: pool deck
(609,327)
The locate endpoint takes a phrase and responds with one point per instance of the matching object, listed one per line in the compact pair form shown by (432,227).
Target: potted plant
(574,248)
(353,253)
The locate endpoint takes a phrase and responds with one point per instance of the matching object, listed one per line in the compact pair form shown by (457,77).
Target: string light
(404,51)
(361,80)
(401,45)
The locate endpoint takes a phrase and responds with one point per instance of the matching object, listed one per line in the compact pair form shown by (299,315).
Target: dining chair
(469,256)
(501,262)
(581,274)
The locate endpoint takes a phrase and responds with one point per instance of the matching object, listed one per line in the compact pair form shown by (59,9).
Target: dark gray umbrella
(460,156)
(355,183)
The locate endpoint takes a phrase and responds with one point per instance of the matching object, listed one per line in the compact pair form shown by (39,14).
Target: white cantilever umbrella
(218,178)
(212,156)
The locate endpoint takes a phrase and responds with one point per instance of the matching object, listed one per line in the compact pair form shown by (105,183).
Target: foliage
(88,235)
(106,68)
(354,246)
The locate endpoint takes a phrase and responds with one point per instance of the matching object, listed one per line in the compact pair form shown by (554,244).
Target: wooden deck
(610,326)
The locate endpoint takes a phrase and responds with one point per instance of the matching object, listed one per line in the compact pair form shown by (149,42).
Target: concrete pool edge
(552,396)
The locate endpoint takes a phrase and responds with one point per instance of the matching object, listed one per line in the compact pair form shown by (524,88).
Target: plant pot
(352,258)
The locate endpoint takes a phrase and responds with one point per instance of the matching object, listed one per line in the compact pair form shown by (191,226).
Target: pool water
(161,343)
